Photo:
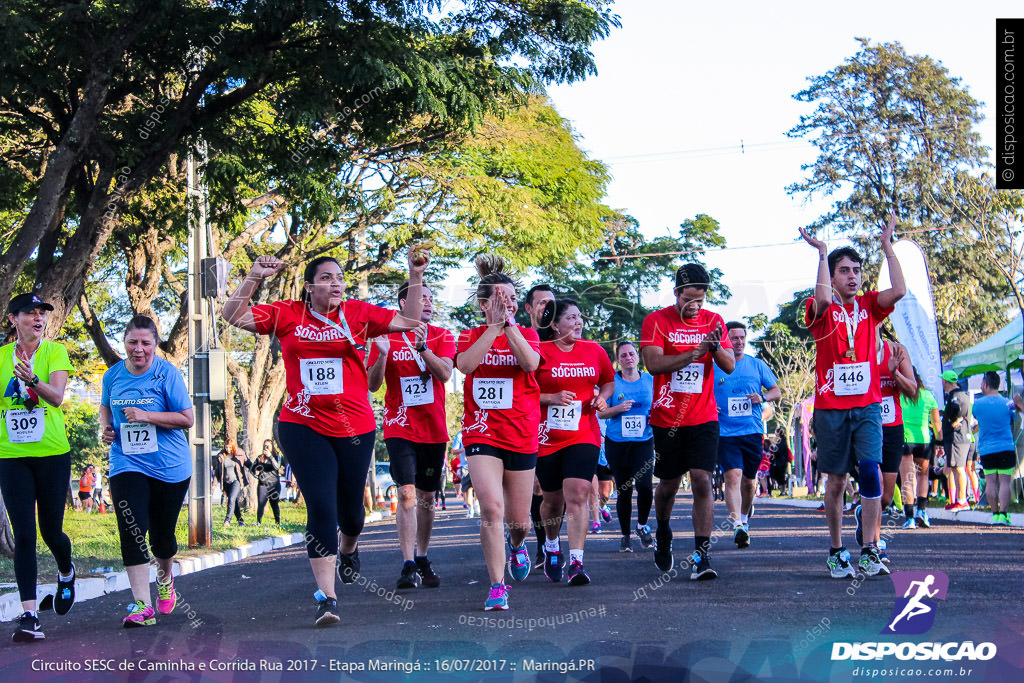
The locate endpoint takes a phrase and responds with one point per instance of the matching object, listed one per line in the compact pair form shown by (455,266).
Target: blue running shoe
(553,566)
(922,519)
(497,599)
(578,575)
(519,562)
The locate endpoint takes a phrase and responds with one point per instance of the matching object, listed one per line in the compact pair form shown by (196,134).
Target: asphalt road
(774,614)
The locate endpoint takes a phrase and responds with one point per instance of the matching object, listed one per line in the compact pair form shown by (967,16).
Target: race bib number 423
(416,391)
(493,392)
(24,426)
(689,380)
(322,376)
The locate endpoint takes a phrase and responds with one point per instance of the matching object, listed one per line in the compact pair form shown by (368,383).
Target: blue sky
(681,84)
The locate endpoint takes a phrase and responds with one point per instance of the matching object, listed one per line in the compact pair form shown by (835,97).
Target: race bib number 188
(322,376)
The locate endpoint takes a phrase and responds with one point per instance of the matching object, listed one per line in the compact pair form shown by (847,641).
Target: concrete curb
(968,516)
(87,588)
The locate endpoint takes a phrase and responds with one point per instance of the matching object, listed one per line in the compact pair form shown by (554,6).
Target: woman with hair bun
(499,426)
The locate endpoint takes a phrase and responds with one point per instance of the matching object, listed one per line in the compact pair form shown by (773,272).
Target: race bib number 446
(322,376)
(851,379)
(689,380)
(494,393)
(24,426)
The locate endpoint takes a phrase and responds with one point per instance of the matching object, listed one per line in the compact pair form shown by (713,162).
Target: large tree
(889,127)
(96,98)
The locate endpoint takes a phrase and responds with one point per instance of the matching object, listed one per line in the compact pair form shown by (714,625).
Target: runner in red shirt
(847,412)
(895,378)
(678,344)
(326,426)
(499,426)
(570,436)
(415,367)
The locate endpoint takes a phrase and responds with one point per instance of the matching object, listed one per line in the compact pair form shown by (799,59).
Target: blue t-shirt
(738,415)
(995,424)
(641,392)
(162,390)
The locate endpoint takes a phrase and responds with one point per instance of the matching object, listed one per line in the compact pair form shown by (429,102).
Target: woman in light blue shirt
(144,409)
(629,444)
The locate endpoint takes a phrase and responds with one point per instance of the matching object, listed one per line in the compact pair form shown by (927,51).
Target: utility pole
(200,436)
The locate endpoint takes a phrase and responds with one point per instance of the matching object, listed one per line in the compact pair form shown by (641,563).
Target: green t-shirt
(917,417)
(50,357)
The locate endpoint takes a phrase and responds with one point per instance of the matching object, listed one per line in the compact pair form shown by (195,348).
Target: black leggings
(331,471)
(632,464)
(144,505)
(26,483)
(233,492)
(265,494)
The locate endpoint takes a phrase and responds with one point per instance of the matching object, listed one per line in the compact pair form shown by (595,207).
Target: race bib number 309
(24,426)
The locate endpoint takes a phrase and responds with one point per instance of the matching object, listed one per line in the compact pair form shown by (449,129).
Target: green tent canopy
(1001,351)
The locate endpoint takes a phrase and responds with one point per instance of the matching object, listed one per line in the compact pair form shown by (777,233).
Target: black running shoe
(741,536)
(624,546)
(700,568)
(28,630)
(64,598)
(578,575)
(410,577)
(663,548)
(326,613)
(553,566)
(430,579)
(644,533)
(348,566)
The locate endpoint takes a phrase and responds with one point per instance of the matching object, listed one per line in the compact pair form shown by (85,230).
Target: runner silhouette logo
(916,596)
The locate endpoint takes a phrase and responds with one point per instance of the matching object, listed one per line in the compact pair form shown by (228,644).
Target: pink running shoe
(139,614)
(166,597)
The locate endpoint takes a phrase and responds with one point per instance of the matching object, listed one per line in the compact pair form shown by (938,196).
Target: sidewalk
(87,588)
(968,516)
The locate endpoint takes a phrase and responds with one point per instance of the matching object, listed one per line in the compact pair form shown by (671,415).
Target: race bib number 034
(689,380)
(494,393)
(851,379)
(322,376)
(633,426)
(417,392)
(24,426)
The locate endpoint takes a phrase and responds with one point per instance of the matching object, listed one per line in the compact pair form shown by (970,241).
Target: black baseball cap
(27,302)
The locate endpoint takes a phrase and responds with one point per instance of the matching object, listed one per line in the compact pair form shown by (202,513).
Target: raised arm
(889,297)
(409,317)
(237,310)
(375,373)
(823,285)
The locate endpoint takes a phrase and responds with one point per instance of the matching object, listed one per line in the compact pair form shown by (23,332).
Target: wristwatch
(34,381)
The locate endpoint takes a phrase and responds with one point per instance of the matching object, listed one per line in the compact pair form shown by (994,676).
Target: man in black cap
(678,344)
